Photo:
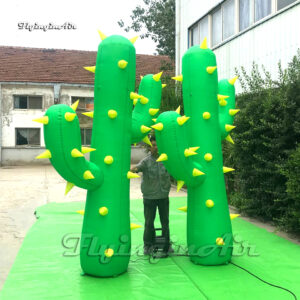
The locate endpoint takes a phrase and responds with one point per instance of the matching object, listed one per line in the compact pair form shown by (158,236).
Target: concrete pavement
(22,190)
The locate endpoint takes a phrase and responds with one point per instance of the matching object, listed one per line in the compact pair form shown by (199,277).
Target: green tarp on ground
(47,266)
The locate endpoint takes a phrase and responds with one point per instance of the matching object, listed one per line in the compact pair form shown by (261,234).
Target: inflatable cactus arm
(147,104)
(209,233)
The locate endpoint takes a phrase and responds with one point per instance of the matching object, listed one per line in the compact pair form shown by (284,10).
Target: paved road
(22,190)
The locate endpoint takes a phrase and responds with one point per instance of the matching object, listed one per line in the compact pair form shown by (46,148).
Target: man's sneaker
(148,250)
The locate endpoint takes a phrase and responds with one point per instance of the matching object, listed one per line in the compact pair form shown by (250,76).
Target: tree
(158,18)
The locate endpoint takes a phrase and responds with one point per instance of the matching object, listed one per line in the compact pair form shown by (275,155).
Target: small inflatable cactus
(106,237)
(190,147)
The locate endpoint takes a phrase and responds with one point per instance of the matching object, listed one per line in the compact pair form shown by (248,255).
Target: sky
(86,15)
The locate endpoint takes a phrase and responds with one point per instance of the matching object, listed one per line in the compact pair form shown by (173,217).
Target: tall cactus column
(106,236)
(207,122)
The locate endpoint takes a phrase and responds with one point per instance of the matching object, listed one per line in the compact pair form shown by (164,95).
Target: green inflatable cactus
(106,236)
(190,147)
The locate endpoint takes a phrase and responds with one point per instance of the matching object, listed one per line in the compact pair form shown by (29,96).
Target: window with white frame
(28,102)
(195,35)
(203,29)
(28,137)
(85,103)
(244,14)
(228,19)
(283,3)
(86,136)
(262,9)
(217,27)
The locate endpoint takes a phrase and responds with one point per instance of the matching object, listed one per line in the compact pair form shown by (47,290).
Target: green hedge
(266,183)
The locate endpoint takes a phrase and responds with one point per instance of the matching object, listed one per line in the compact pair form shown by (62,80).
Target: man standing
(155,187)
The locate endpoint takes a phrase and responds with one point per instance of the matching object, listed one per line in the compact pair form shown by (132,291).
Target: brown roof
(20,64)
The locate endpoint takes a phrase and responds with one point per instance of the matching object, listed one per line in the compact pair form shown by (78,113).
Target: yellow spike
(103,211)
(163,85)
(134,226)
(135,101)
(69,186)
(229,127)
(89,114)
(210,70)
(112,114)
(87,149)
(147,141)
(222,97)
(233,216)
(154,120)
(208,157)
(75,105)
(76,153)
(44,120)
(206,115)
(233,80)
(133,40)
(90,69)
(197,172)
(204,44)
(180,184)
(233,112)
(229,139)
(178,110)
(158,126)
(70,116)
(102,35)
(122,64)
(145,129)
(141,77)
(108,159)
(178,78)
(157,76)
(144,100)
(109,252)
(194,148)
(81,212)
(220,242)
(189,152)
(183,208)
(134,95)
(45,154)
(182,120)
(226,170)
(163,157)
(223,102)
(209,203)
(131,175)
(88,175)
(153,111)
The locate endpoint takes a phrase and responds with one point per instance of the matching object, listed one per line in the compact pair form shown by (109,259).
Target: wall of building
(277,37)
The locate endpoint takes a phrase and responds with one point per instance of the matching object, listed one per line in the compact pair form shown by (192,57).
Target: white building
(32,79)
(240,32)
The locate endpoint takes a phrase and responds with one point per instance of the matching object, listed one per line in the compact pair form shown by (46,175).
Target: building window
(283,3)
(28,137)
(228,19)
(244,14)
(85,103)
(195,35)
(28,102)
(203,25)
(86,136)
(217,27)
(262,9)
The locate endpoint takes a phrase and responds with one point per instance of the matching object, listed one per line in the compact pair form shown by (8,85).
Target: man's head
(153,149)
